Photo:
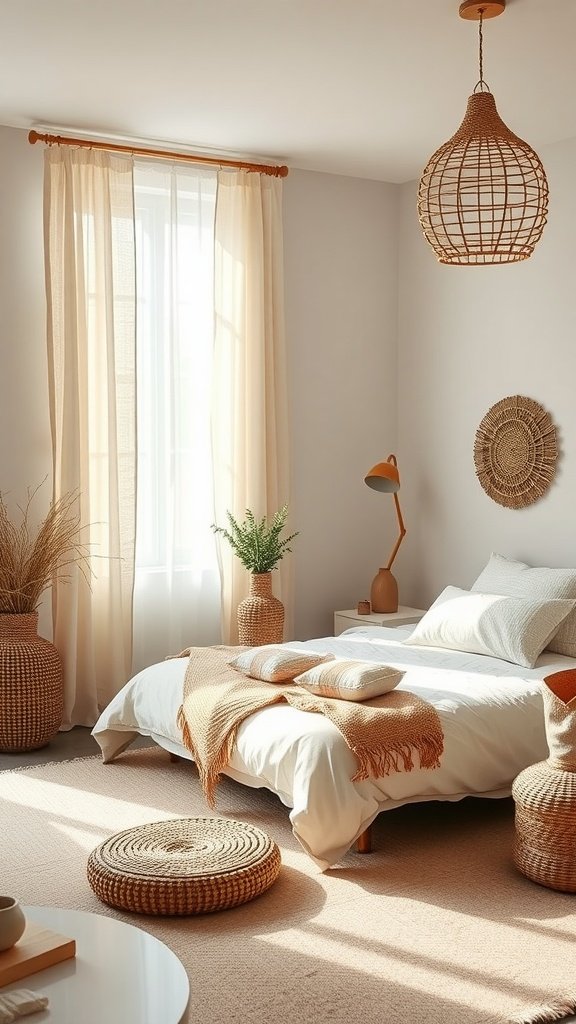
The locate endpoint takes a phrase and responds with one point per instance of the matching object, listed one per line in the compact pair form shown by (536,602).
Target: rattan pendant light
(483,196)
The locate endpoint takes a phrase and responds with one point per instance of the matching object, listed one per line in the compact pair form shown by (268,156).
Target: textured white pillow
(512,628)
(349,680)
(516,579)
(276,664)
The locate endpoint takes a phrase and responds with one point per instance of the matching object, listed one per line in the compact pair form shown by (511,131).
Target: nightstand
(350,617)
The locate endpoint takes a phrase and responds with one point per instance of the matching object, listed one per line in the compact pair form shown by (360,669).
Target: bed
(490,710)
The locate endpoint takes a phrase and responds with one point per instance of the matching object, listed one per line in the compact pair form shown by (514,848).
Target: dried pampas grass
(30,557)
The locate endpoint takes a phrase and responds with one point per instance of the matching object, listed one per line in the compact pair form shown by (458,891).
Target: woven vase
(545,794)
(260,615)
(31,689)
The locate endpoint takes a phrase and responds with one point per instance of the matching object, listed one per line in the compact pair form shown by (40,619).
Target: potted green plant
(31,684)
(260,546)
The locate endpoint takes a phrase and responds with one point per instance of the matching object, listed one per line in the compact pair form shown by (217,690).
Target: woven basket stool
(184,866)
(545,843)
(545,794)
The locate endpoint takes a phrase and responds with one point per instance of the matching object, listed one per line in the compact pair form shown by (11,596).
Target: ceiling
(368,88)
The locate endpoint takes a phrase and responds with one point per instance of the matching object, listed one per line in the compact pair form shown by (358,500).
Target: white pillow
(350,680)
(273,663)
(516,579)
(512,628)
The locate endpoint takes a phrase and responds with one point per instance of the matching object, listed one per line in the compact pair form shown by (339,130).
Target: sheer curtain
(90,285)
(177,584)
(167,369)
(249,414)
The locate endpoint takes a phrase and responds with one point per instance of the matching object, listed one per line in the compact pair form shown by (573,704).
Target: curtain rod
(165,154)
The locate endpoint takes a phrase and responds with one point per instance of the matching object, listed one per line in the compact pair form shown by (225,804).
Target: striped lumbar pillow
(275,664)
(516,579)
(349,680)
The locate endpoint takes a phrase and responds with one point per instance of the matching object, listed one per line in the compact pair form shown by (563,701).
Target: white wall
(25,446)
(341,288)
(469,336)
(24,421)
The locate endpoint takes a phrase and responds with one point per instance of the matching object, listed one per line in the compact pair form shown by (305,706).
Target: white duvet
(490,710)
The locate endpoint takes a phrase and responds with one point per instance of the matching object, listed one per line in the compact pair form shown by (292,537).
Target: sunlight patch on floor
(428,979)
(90,807)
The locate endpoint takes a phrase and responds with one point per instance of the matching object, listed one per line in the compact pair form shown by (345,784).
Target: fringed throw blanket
(382,733)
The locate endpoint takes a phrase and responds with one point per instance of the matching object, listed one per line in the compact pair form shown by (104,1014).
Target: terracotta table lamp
(384,592)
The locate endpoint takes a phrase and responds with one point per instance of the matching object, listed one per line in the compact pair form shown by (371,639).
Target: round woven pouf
(184,866)
(545,814)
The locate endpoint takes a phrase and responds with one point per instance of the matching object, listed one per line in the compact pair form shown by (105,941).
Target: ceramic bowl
(12,922)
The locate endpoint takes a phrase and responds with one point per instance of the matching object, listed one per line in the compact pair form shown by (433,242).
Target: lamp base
(384,592)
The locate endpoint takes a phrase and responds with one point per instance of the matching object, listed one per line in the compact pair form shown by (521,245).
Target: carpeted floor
(436,926)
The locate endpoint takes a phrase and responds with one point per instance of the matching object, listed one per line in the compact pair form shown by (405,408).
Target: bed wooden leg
(174,757)
(364,841)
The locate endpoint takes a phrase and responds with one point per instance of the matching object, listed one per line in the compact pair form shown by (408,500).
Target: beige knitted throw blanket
(382,733)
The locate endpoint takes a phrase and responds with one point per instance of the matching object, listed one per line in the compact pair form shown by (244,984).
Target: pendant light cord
(480,53)
(481,83)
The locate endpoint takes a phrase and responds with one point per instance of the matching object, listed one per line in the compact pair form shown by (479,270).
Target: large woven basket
(31,688)
(184,866)
(260,615)
(545,841)
(545,794)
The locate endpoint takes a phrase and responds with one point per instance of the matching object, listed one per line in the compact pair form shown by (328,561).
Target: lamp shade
(384,476)
(483,196)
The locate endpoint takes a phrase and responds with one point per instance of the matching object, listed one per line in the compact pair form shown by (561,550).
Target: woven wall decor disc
(515,451)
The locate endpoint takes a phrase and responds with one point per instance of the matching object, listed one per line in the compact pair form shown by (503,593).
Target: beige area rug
(436,926)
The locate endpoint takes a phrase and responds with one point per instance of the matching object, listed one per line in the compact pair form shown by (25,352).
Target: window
(177,589)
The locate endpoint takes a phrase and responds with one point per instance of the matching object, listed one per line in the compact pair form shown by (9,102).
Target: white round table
(120,974)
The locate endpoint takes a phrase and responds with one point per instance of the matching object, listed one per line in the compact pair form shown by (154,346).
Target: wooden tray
(38,948)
